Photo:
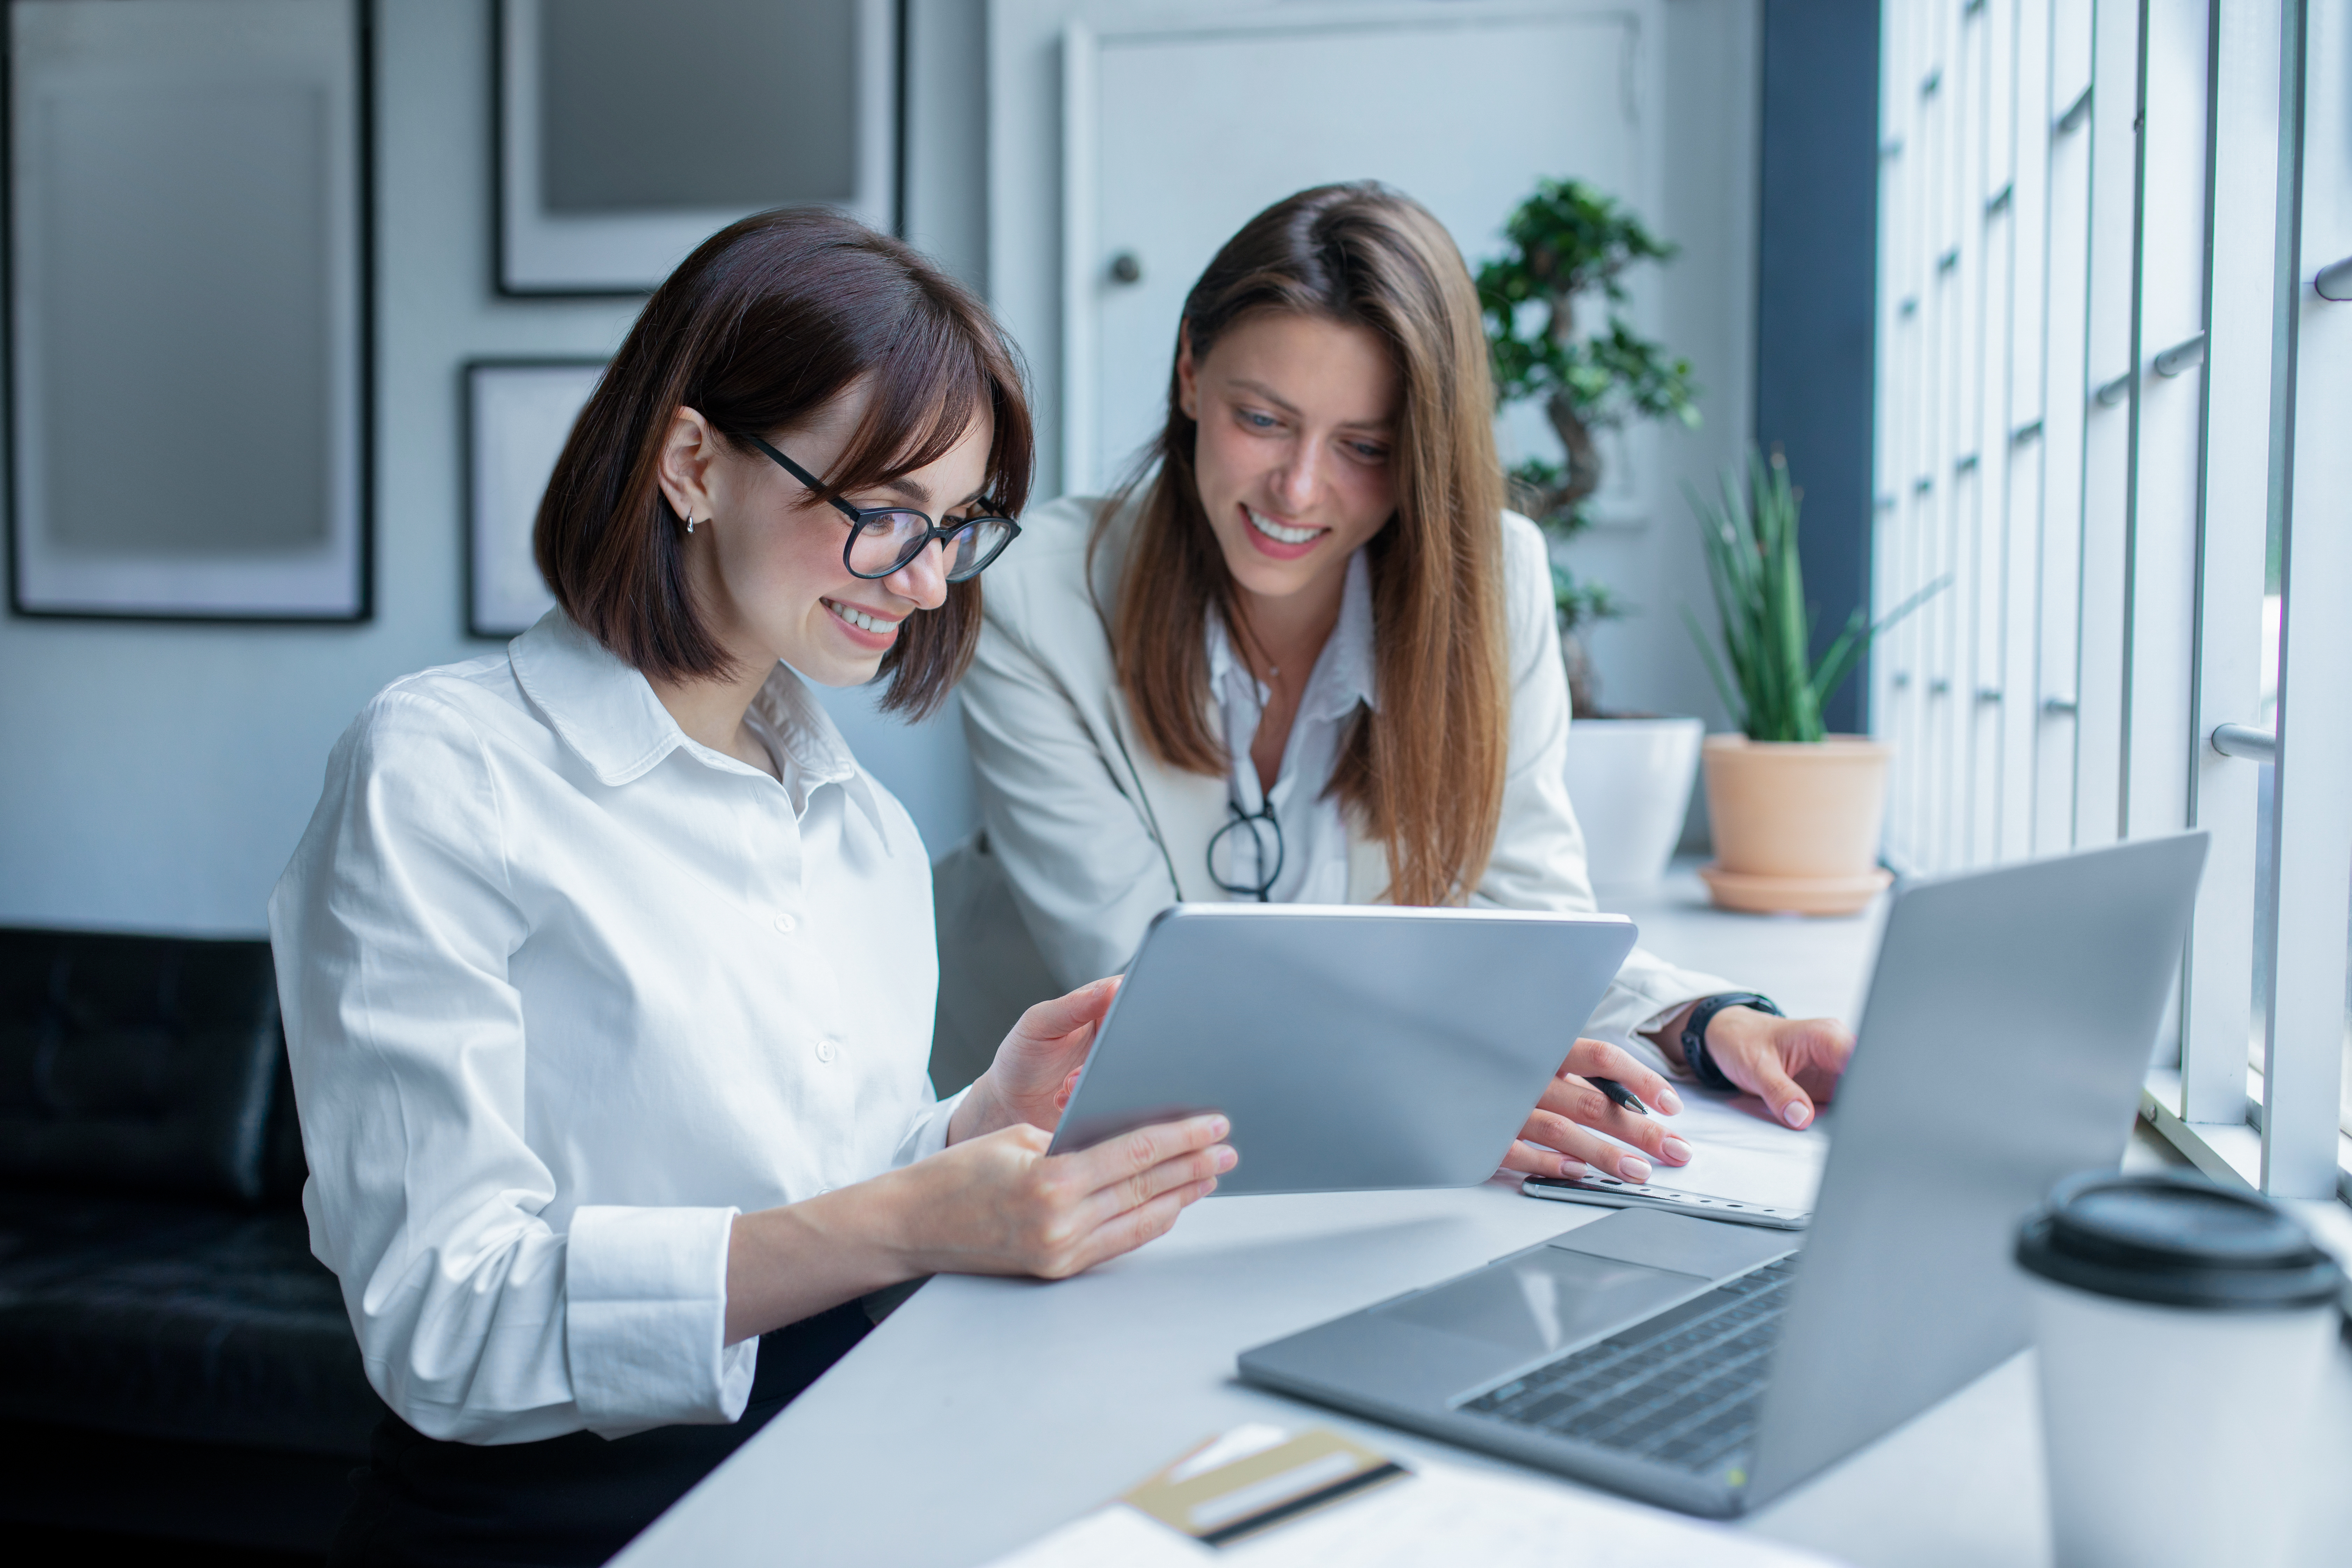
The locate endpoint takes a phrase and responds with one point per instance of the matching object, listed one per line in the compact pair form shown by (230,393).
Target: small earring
(689,522)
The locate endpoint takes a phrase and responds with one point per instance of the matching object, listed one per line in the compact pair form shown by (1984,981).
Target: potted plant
(1629,775)
(1796,811)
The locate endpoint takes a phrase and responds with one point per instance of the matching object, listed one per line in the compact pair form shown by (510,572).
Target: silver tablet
(1353,1046)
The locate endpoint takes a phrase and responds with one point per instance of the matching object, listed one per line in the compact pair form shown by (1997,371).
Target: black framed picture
(187,304)
(629,132)
(518,413)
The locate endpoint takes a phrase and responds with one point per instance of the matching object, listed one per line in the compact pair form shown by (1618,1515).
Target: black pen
(1619,1095)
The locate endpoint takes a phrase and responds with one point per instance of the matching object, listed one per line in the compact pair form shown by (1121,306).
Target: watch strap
(1694,1037)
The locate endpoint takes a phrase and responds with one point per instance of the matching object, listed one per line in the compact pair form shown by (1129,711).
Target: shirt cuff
(1646,993)
(929,1135)
(645,1320)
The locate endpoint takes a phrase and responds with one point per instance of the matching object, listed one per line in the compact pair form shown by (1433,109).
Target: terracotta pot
(1796,826)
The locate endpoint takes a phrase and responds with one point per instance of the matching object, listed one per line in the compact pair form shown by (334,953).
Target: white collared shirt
(1314,836)
(566,991)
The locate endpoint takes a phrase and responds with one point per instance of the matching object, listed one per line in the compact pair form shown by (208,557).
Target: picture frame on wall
(628,134)
(518,413)
(188,297)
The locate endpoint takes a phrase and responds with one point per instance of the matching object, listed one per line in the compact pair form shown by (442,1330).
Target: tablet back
(1353,1048)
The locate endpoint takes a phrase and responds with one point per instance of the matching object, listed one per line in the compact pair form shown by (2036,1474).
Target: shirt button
(826,1050)
(784,924)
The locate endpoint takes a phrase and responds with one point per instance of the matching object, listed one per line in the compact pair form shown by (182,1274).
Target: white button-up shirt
(1313,835)
(564,992)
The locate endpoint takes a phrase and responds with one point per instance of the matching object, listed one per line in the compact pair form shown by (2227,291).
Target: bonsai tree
(1569,246)
(1774,686)
(1578,605)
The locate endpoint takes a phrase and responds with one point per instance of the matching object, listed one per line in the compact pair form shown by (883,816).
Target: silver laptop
(1355,1047)
(1711,1367)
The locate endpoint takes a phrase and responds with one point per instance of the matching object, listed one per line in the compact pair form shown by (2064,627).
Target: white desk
(985,1413)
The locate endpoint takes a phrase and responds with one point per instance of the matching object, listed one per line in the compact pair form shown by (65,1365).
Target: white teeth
(1276,531)
(860,619)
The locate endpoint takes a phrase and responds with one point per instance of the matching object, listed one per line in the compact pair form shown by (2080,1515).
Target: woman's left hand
(1564,1134)
(1788,1063)
(1037,1065)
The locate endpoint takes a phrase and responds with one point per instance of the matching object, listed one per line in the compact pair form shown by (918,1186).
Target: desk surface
(985,1413)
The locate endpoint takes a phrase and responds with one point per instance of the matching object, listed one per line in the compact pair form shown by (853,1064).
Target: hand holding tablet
(1353,1048)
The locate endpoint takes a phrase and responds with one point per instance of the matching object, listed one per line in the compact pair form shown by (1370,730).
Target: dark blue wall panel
(1816,286)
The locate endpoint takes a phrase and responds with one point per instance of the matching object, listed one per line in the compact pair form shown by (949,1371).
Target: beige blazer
(1084,835)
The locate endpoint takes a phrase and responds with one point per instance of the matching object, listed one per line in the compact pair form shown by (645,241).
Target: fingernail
(1219,1127)
(1633,1168)
(1226,1159)
(1797,1113)
(1675,1151)
(1669,1101)
(1569,1167)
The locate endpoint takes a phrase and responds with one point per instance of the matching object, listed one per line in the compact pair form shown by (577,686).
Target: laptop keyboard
(1683,1388)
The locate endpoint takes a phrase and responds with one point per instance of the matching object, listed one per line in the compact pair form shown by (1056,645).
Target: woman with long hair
(1308,656)
(608,974)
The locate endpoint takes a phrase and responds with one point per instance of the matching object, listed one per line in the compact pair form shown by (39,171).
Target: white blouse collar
(1345,673)
(604,709)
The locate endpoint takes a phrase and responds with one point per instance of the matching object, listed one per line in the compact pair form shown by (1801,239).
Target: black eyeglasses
(1262,828)
(882,539)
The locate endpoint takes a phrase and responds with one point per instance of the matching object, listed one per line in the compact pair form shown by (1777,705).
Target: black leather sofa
(173,1362)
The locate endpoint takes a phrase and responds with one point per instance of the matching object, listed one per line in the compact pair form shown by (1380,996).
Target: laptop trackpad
(1545,1299)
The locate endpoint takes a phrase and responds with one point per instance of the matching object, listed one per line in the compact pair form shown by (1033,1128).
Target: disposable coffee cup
(2327,1461)
(2184,1332)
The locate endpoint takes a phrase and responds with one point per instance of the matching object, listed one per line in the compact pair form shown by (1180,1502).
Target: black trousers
(569,1500)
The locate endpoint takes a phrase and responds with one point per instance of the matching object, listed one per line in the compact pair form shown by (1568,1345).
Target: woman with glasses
(1308,656)
(608,974)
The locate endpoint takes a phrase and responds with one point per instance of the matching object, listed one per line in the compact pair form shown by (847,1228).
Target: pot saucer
(1761,895)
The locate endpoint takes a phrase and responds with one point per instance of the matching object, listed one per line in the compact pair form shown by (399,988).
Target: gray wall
(155,777)
(947,134)
(1707,311)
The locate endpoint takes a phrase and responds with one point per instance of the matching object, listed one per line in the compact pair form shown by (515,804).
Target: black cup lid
(2175,1241)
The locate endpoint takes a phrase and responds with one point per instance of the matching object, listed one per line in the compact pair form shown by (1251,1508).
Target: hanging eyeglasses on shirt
(1246,854)
(1288,844)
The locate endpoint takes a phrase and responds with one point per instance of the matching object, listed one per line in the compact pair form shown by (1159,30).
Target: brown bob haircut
(1424,771)
(768,320)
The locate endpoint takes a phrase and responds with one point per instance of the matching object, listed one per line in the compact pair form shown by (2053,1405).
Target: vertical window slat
(2302,1073)
(2243,227)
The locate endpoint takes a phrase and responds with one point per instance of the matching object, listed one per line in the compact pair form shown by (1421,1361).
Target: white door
(1175,134)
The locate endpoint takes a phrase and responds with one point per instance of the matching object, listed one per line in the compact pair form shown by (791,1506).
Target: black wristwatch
(1694,1034)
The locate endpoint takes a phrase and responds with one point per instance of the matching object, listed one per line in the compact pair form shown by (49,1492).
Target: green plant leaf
(1731,702)
(1755,573)
(1579,605)
(1840,657)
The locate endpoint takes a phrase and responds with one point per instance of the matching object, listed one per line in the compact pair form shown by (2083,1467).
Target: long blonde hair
(1424,771)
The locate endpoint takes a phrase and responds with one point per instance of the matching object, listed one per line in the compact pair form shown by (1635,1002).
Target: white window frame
(2100,383)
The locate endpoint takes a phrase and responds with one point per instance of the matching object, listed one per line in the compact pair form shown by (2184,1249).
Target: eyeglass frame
(863,518)
(1262,889)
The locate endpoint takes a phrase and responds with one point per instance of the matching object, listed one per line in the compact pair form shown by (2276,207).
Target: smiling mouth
(1279,533)
(861,619)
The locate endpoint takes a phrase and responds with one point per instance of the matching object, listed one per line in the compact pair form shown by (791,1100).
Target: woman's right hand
(1000,1204)
(997,1203)
(1030,1080)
